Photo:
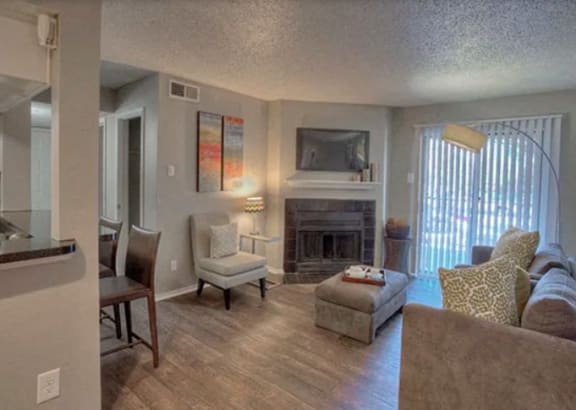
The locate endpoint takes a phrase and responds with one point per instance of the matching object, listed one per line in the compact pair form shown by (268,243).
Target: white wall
(284,118)
(40,169)
(402,200)
(23,63)
(49,313)
(177,195)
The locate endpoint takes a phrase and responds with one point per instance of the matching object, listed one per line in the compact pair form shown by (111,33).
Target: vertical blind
(469,199)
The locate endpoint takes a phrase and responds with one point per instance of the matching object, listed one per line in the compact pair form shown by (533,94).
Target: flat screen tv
(319,149)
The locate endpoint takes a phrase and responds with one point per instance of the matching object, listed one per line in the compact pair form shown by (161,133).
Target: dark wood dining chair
(137,283)
(107,256)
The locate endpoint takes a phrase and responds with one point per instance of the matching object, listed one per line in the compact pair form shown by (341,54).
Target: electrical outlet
(48,385)
(410,178)
(173,265)
(171,170)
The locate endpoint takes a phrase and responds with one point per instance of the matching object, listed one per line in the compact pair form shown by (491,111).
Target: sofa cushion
(234,264)
(519,245)
(551,308)
(551,256)
(487,291)
(359,296)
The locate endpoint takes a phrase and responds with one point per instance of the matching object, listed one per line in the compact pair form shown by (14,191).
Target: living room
(371,141)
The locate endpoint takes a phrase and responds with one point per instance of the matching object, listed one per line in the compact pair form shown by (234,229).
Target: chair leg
(263,288)
(200,287)
(153,328)
(227,298)
(128,313)
(117,321)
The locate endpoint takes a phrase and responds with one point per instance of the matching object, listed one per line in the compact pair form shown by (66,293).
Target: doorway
(130,159)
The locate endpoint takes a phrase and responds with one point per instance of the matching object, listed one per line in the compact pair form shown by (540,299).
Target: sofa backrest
(549,257)
(551,308)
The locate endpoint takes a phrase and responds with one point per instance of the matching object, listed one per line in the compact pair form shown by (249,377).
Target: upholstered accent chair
(228,271)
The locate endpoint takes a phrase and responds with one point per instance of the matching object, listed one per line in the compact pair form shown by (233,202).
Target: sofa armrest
(454,361)
(481,254)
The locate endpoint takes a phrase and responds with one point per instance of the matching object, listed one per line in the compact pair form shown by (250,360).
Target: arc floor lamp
(471,139)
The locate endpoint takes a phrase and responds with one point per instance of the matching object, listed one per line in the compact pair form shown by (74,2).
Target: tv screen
(321,149)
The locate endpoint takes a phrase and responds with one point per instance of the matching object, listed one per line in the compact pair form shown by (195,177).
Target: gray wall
(402,197)
(15,141)
(143,94)
(177,195)
(284,118)
(40,169)
(49,312)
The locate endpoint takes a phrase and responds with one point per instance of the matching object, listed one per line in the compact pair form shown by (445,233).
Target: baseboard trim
(192,288)
(176,292)
(275,271)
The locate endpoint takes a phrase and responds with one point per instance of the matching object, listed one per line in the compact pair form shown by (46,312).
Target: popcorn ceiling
(395,52)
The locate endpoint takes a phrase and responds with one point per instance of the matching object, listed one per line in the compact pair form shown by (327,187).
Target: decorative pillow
(522,289)
(519,245)
(223,240)
(486,291)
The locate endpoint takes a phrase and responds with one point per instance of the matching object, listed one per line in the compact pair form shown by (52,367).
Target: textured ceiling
(113,75)
(393,52)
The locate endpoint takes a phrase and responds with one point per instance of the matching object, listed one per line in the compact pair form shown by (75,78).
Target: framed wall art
(233,152)
(209,152)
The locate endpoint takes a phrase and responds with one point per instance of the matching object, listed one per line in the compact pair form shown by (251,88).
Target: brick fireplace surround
(323,236)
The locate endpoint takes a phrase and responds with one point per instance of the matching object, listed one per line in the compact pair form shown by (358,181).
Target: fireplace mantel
(331,184)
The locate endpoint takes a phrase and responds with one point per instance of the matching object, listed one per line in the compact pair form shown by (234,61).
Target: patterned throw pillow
(486,291)
(519,245)
(223,240)
(522,289)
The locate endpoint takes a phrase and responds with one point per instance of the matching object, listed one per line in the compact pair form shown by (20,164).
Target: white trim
(331,184)
(475,122)
(275,271)
(177,292)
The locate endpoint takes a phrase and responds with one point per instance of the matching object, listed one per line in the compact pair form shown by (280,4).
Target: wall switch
(173,265)
(171,170)
(48,385)
(410,178)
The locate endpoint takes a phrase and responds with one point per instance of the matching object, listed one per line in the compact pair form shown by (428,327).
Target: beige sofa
(454,361)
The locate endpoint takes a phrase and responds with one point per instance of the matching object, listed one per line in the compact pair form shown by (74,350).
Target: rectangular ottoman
(357,310)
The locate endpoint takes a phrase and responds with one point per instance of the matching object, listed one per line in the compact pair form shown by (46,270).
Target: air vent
(184,91)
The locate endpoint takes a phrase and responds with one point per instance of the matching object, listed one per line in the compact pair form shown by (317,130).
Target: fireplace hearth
(323,236)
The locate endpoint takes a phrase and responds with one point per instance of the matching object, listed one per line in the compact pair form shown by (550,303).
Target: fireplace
(323,236)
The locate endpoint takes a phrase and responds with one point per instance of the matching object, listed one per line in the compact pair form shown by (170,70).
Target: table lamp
(254,205)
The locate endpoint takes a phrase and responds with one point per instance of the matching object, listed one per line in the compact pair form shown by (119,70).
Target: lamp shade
(464,137)
(254,205)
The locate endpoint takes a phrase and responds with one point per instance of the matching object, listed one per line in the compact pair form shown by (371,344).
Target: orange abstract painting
(233,148)
(209,152)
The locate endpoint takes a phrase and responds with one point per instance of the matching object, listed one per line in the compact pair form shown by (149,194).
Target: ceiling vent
(184,91)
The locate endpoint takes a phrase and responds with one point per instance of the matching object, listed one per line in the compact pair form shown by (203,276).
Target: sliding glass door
(468,199)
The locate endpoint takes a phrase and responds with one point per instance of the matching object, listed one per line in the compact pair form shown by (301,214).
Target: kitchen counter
(32,239)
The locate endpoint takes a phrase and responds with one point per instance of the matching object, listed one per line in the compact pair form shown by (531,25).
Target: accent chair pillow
(223,240)
(519,245)
(486,291)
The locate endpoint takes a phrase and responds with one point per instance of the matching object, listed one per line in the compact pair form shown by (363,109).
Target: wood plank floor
(259,355)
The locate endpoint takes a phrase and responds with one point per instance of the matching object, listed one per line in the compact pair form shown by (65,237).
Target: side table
(266,240)
(396,253)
